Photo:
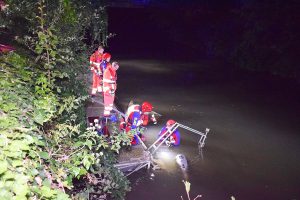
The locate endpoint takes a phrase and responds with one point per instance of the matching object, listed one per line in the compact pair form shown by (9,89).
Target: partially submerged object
(181,161)
(143,155)
(151,150)
(162,139)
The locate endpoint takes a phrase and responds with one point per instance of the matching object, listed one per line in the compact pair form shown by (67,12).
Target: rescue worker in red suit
(137,116)
(95,61)
(174,139)
(146,114)
(133,121)
(109,86)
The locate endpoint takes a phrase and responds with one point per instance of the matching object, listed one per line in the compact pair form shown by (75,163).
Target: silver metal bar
(156,113)
(138,168)
(132,162)
(162,142)
(141,141)
(192,130)
(123,165)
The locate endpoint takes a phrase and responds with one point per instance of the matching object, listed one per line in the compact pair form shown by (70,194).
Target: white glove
(140,122)
(168,143)
(112,92)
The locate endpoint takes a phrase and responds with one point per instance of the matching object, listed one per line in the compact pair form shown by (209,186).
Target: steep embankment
(44,143)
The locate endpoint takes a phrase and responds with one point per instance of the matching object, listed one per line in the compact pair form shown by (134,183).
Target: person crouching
(174,139)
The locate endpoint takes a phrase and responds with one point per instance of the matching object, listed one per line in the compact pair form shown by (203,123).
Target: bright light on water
(165,155)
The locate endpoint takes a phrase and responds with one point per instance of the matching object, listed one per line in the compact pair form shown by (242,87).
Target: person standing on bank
(109,87)
(95,61)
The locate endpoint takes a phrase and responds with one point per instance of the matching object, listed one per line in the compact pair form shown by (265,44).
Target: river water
(253,148)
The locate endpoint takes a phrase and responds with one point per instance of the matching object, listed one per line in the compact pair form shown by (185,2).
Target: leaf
(3,166)
(38,49)
(78,144)
(20,197)
(86,163)
(34,172)
(5,194)
(39,142)
(7,176)
(62,196)
(17,163)
(13,154)
(3,141)
(29,139)
(82,171)
(46,182)
(20,189)
(17,145)
(76,171)
(89,143)
(32,154)
(58,89)
(9,106)
(21,178)
(47,192)
(39,116)
(44,155)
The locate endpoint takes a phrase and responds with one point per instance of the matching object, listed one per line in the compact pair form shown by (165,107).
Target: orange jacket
(95,61)
(109,79)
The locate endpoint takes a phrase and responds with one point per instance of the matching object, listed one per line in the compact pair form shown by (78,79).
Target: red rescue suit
(146,118)
(109,88)
(146,113)
(173,140)
(133,116)
(95,61)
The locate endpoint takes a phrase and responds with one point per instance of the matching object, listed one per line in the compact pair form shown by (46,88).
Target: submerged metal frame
(156,145)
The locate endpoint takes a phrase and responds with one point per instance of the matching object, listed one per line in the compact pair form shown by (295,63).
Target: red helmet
(170,122)
(106,56)
(147,107)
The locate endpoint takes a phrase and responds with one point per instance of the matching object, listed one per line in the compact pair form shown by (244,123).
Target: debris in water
(181,161)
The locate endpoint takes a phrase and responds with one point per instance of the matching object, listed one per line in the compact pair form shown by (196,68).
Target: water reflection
(251,153)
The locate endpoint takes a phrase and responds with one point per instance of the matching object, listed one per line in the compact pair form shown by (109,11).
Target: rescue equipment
(173,140)
(162,138)
(150,151)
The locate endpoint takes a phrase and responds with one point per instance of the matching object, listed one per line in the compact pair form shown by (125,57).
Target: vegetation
(257,35)
(46,150)
(267,41)
(187,190)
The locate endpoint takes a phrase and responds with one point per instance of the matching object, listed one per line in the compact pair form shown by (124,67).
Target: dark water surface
(253,149)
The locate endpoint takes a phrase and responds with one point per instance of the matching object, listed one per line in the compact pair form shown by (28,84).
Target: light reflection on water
(252,151)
